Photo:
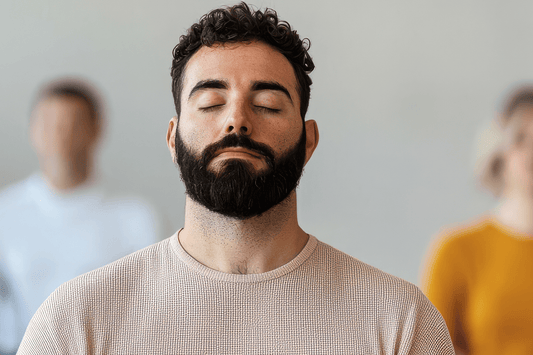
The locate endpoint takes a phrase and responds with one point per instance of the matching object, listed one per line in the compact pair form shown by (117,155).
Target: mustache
(236,140)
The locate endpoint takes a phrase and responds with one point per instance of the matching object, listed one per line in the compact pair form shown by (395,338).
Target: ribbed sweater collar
(203,270)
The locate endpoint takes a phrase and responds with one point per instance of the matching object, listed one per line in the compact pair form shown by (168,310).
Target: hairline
(50,95)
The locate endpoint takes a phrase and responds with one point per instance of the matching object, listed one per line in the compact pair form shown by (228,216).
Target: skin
(258,244)
(516,204)
(64,137)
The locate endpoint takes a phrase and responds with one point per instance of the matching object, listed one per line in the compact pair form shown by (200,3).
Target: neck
(255,245)
(64,175)
(516,211)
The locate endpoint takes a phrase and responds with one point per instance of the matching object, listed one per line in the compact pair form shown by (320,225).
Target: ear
(311,133)
(171,136)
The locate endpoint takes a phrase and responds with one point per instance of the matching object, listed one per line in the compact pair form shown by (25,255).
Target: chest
(499,306)
(248,319)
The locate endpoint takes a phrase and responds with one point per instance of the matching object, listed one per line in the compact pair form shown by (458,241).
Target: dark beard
(236,190)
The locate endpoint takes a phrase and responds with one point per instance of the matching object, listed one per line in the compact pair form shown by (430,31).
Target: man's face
(62,128)
(240,141)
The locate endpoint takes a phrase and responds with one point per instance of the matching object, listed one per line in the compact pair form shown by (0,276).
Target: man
(58,224)
(241,277)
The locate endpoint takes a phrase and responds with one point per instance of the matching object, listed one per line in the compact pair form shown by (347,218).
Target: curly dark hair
(240,24)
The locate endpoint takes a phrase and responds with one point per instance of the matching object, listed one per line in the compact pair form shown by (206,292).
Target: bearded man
(241,276)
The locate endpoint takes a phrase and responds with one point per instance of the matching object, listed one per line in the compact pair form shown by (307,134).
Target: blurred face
(518,171)
(62,128)
(240,141)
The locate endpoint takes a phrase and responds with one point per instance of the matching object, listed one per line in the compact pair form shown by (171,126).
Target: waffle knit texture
(480,277)
(160,300)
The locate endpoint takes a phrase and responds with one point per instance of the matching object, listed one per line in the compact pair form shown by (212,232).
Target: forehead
(240,64)
(64,107)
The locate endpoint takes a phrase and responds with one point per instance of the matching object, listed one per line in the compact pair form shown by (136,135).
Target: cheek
(518,165)
(285,136)
(513,161)
(193,138)
(47,139)
(36,134)
(72,136)
(83,137)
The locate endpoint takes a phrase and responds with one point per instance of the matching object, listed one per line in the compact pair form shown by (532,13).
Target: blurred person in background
(480,276)
(60,223)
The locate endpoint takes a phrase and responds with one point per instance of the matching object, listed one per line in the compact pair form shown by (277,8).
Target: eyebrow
(256,86)
(208,84)
(271,85)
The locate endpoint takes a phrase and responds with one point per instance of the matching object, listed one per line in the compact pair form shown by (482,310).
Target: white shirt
(48,237)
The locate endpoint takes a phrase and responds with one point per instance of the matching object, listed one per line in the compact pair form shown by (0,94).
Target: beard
(236,189)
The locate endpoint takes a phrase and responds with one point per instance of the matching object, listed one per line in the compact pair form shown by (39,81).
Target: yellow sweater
(480,278)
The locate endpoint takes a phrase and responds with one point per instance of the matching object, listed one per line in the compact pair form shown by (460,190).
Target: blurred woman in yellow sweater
(480,276)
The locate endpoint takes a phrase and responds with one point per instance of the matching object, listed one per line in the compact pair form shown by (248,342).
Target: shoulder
(13,195)
(454,256)
(132,209)
(136,216)
(351,266)
(13,190)
(365,278)
(130,206)
(388,303)
(468,231)
(120,279)
(120,275)
(463,238)
(92,299)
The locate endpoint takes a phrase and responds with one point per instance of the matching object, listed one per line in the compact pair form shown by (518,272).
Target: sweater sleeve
(40,337)
(425,332)
(60,325)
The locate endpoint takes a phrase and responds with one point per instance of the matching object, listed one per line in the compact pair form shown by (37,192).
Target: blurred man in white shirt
(59,223)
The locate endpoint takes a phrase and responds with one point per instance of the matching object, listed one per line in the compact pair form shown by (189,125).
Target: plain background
(400,90)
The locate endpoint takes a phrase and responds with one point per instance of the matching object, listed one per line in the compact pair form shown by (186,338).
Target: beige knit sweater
(160,300)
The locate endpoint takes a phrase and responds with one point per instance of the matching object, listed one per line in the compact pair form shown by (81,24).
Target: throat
(250,246)
(517,213)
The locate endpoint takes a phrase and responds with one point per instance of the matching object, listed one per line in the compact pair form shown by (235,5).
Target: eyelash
(267,109)
(259,108)
(210,108)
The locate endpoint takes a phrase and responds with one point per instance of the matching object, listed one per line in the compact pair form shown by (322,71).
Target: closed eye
(210,108)
(267,109)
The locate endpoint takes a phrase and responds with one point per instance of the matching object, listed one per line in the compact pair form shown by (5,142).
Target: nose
(239,121)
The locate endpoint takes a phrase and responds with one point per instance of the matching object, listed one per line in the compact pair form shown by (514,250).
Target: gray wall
(400,88)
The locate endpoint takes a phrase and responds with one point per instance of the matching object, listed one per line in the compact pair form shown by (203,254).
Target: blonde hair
(495,139)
